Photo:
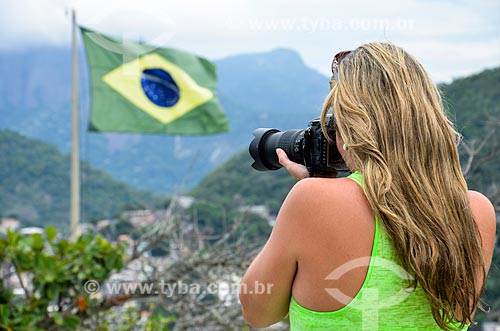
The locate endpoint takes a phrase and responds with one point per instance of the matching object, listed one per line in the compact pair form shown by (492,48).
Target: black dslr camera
(307,146)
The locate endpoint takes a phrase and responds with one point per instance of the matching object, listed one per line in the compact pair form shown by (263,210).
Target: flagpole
(75,145)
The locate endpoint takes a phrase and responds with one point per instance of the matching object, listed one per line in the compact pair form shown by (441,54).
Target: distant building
(185,201)
(125,237)
(139,218)
(31,230)
(262,211)
(85,228)
(490,326)
(9,223)
(102,224)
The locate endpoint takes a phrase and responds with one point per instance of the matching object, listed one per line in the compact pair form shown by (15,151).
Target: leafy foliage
(61,283)
(52,274)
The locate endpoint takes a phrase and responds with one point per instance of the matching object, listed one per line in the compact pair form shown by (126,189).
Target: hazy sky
(451,38)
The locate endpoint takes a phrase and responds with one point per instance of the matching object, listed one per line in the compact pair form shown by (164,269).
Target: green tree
(59,280)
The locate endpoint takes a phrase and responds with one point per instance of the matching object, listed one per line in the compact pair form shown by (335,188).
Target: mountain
(34,185)
(272,89)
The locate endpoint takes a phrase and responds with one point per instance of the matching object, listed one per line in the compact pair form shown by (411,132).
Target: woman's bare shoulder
(315,190)
(332,198)
(325,185)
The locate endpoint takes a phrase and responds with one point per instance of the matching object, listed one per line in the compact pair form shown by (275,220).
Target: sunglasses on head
(335,64)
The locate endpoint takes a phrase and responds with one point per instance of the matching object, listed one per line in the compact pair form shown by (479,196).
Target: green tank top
(384,301)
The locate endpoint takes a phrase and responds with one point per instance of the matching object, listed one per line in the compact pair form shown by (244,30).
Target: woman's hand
(297,170)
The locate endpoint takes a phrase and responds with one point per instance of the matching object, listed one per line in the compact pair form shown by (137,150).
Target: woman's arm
(266,288)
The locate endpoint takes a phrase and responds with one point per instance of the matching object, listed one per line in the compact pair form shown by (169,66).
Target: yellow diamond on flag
(126,80)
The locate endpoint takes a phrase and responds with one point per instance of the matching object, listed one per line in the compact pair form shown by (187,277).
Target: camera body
(308,146)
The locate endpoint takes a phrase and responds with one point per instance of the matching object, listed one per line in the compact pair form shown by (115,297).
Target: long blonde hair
(390,116)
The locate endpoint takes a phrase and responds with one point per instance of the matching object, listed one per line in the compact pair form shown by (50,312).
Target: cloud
(439,33)
(33,22)
(448,60)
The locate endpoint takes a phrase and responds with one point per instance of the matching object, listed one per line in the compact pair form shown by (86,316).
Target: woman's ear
(341,147)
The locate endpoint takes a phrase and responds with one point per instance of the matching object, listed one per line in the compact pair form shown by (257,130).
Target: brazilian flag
(141,88)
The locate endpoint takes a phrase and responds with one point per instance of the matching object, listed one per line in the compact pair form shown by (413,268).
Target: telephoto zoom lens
(263,147)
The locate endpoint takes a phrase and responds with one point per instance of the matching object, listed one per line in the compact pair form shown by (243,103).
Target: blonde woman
(400,244)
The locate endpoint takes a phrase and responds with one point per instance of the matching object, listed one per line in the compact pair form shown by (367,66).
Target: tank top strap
(377,249)
(357,177)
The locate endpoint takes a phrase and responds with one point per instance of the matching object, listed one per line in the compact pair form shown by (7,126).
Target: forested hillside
(473,103)
(236,183)
(35,185)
